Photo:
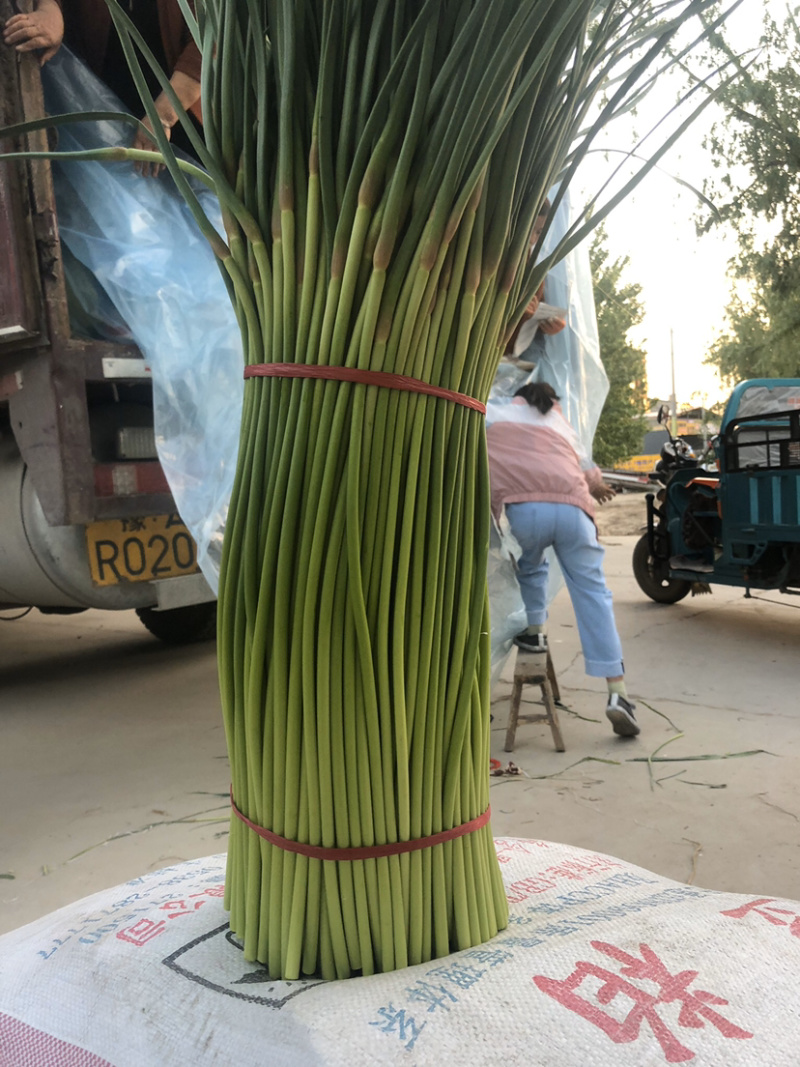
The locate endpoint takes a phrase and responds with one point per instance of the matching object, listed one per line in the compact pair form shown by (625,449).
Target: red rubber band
(361,377)
(366,852)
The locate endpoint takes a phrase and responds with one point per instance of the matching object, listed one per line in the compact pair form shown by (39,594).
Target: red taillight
(129,479)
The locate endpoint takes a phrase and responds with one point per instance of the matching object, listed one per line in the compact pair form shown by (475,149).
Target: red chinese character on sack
(142,931)
(694,1006)
(770,914)
(505,847)
(180,907)
(526,887)
(575,872)
(213,891)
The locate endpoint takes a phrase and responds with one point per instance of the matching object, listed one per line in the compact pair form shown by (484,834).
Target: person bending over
(548,485)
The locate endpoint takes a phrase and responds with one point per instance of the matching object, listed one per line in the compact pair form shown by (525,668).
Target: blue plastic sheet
(570,362)
(138,268)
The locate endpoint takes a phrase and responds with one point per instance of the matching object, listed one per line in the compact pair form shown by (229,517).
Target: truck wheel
(653,576)
(181,626)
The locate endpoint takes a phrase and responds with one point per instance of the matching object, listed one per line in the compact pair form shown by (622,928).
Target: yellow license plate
(139,550)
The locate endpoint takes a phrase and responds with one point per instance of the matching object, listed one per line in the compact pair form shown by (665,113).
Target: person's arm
(528,313)
(601,492)
(40,31)
(187,90)
(597,487)
(190,60)
(184,80)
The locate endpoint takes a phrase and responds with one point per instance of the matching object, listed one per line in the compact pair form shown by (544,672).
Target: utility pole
(673,403)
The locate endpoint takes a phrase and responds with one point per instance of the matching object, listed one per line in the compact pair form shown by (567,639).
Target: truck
(87,519)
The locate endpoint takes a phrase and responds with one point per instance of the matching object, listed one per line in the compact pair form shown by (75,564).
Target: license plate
(139,550)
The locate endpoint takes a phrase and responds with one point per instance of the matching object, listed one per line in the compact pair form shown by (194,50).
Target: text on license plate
(139,550)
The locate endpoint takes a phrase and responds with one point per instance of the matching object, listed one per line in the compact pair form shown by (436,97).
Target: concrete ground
(712,676)
(112,753)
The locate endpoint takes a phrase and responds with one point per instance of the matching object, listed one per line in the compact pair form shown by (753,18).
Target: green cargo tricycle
(733,516)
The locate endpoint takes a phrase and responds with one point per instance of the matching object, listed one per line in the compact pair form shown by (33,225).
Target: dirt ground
(623,516)
(708,792)
(112,752)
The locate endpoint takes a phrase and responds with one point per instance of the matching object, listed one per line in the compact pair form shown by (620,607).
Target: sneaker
(531,642)
(620,713)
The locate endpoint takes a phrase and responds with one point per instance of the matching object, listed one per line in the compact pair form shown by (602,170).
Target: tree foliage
(762,338)
(619,308)
(755,151)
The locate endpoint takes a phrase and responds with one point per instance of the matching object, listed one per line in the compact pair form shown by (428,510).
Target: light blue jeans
(573,536)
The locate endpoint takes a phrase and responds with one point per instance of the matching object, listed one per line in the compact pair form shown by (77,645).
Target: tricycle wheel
(653,576)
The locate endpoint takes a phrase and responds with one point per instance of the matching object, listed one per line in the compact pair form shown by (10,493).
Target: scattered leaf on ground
(706,785)
(698,851)
(652,756)
(657,712)
(762,798)
(683,759)
(193,818)
(586,759)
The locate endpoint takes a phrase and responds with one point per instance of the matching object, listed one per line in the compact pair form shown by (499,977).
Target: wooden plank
(21,301)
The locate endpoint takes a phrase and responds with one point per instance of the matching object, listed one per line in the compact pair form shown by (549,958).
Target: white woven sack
(602,963)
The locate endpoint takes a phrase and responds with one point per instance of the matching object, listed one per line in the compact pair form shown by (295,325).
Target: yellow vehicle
(689,430)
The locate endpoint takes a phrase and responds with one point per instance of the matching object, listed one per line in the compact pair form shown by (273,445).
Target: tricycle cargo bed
(759,458)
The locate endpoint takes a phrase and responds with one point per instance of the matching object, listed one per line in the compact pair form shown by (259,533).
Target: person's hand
(168,117)
(530,310)
(508,347)
(603,493)
(147,144)
(551,326)
(187,91)
(40,31)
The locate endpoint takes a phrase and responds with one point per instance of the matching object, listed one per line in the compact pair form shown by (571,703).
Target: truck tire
(181,626)
(653,576)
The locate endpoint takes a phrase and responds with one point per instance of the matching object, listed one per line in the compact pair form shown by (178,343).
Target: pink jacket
(537,457)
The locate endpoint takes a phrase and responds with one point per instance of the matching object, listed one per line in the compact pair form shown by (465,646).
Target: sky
(685,289)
